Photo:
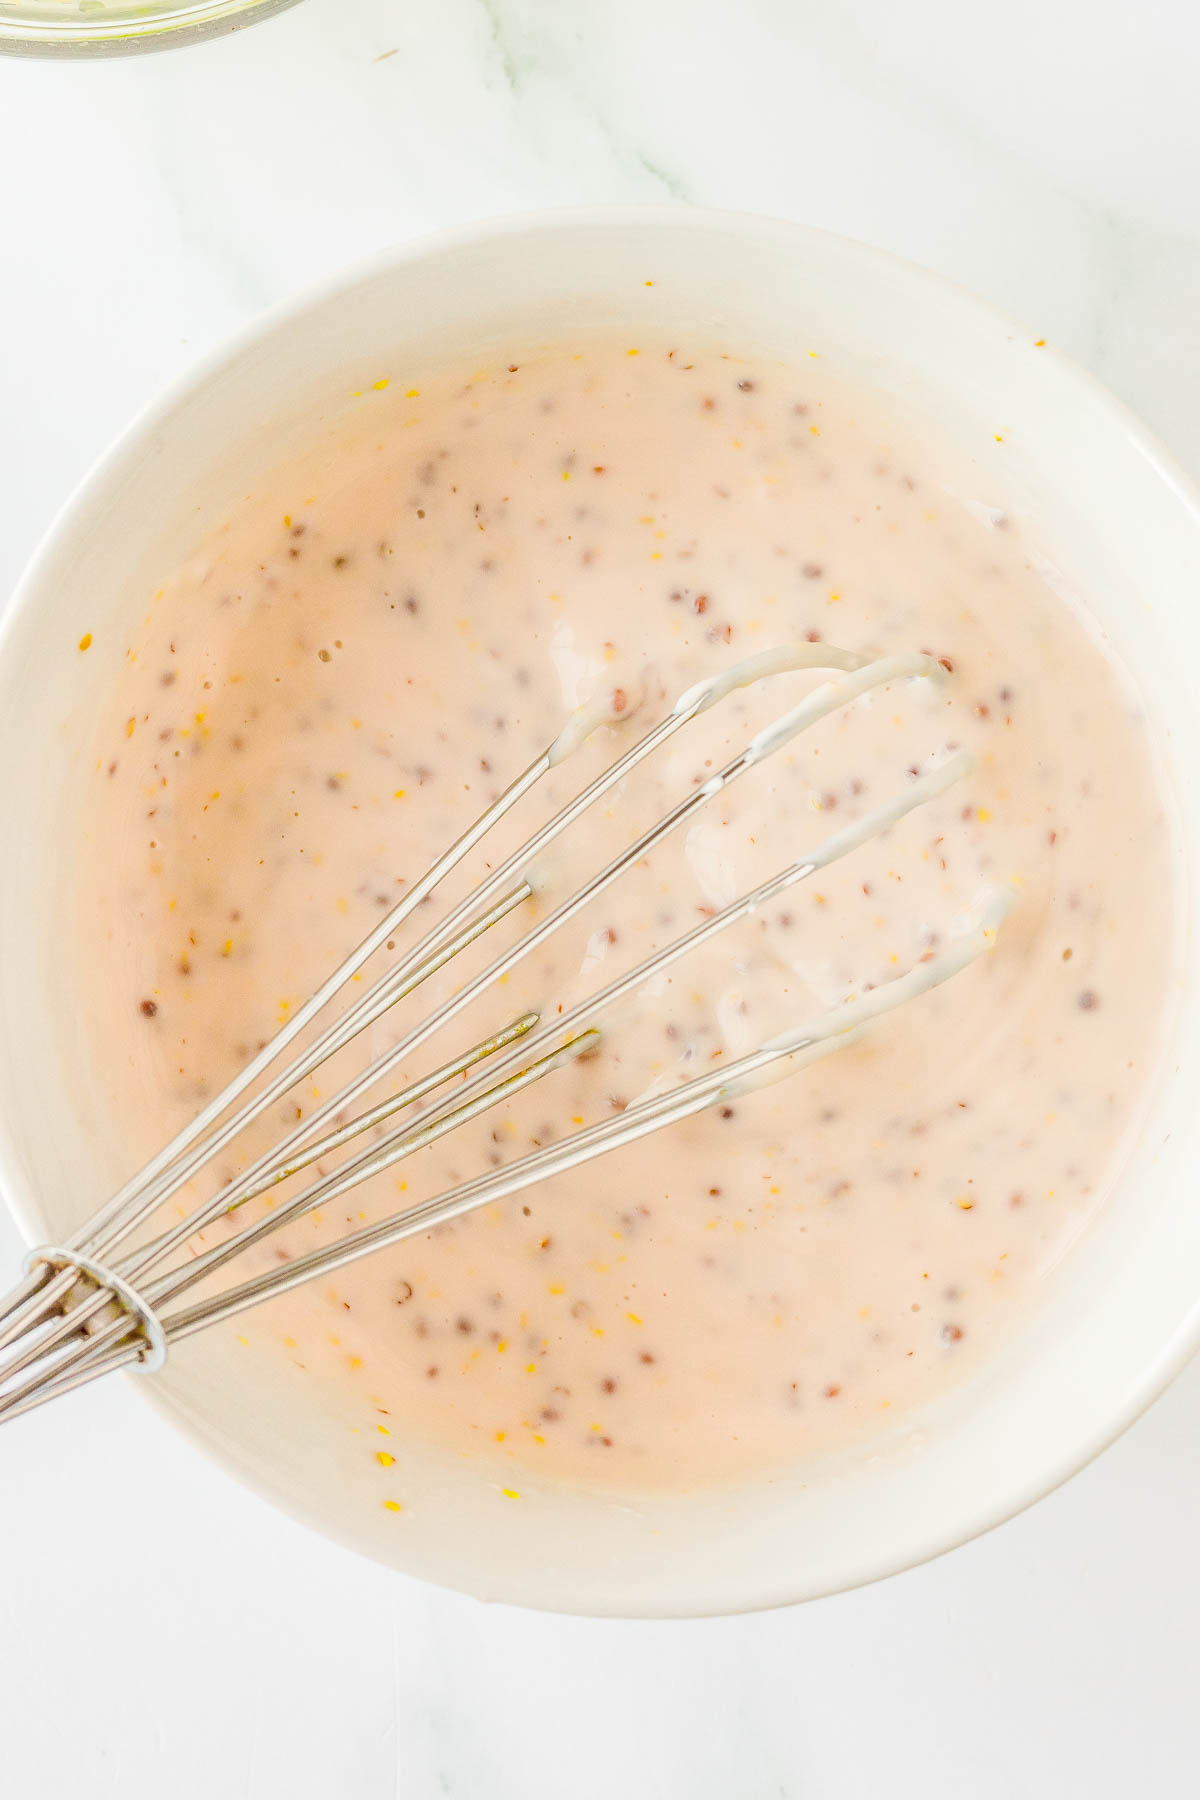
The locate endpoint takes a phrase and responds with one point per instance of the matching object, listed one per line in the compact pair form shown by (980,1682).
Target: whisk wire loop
(92,1305)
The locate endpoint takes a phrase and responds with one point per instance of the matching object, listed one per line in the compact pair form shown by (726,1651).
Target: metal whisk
(100,1302)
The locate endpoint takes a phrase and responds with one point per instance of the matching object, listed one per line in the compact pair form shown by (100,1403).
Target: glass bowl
(116,27)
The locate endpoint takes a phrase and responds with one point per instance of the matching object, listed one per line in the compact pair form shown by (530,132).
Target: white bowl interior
(1105,505)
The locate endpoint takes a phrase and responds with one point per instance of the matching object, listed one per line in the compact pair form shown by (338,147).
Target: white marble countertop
(157,1624)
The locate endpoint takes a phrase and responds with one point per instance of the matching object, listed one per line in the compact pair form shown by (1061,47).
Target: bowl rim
(163,28)
(1146,1384)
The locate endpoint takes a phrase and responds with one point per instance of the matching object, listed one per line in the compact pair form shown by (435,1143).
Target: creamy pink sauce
(381,638)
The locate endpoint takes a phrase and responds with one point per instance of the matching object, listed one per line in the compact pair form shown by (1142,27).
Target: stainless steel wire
(102,1301)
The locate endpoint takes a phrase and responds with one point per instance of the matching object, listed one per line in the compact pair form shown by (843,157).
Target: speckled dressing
(381,637)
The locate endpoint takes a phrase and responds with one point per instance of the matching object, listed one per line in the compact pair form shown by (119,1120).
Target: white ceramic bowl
(1101,498)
